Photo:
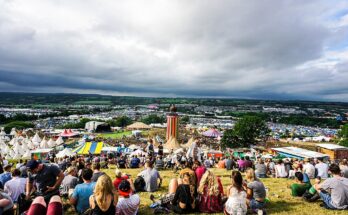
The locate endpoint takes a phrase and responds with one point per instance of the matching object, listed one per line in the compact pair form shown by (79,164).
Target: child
(312,195)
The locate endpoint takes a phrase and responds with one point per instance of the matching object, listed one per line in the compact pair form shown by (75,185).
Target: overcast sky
(249,49)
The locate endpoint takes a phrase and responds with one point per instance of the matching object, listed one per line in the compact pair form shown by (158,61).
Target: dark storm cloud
(264,49)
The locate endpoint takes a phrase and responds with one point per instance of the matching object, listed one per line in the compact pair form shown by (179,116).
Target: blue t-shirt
(135,162)
(306,178)
(81,193)
(4,177)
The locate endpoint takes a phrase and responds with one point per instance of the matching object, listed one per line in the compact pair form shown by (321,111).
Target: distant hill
(13,99)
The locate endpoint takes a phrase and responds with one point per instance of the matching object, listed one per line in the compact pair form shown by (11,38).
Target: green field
(96,102)
(281,202)
(115,135)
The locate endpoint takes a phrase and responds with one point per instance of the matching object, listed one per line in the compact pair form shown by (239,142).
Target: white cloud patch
(264,49)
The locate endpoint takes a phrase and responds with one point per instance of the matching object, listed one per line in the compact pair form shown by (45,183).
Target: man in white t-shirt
(308,168)
(322,169)
(128,203)
(16,186)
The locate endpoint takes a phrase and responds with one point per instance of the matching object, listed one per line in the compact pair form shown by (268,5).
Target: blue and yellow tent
(89,148)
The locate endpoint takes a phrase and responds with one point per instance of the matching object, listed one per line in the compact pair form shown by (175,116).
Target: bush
(17,125)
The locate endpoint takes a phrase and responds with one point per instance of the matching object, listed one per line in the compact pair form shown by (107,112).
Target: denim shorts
(256,204)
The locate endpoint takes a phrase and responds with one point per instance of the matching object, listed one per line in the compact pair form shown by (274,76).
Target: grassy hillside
(281,202)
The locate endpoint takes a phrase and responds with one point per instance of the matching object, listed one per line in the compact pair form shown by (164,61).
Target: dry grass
(281,202)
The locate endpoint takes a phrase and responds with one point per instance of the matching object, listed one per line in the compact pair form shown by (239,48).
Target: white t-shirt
(323,170)
(15,187)
(280,171)
(309,169)
(128,206)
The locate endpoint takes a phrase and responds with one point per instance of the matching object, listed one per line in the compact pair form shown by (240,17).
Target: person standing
(150,148)
(160,149)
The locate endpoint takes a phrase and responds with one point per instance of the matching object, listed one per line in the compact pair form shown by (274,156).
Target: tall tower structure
(172,123)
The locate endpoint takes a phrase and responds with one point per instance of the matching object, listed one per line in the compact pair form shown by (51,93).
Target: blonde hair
(118,173)
(211,181)
(103,188)
(250,175)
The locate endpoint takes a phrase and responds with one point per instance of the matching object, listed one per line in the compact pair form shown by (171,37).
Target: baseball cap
(32,164)
(124,188)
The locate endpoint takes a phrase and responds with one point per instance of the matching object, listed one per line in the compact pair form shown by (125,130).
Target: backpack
(139,184)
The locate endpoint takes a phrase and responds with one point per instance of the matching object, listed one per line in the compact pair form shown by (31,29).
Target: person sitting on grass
(211,193)
(16,186)
(312,195)
(70,181)
(82,192)
(5,176)
(260,169)
(96,172)
(159,163)
(184,197)
(236,202)
(6,203)
(256,192)
(128,203)
(104,198)
(134,163)
(334,191)
(151,177)
(199,170)
(188,169)
(299,187)
(119,178)
(280,171)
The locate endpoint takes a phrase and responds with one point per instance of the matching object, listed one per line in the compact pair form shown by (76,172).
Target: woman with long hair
(211,193)
(184,198)
(236,202)
(104,198)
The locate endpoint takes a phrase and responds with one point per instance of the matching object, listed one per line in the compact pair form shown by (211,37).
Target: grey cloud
(180,48)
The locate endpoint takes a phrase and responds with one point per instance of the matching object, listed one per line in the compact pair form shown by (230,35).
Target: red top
(117,181)
(199,173)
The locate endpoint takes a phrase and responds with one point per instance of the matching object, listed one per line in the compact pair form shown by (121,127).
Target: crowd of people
(46,187)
